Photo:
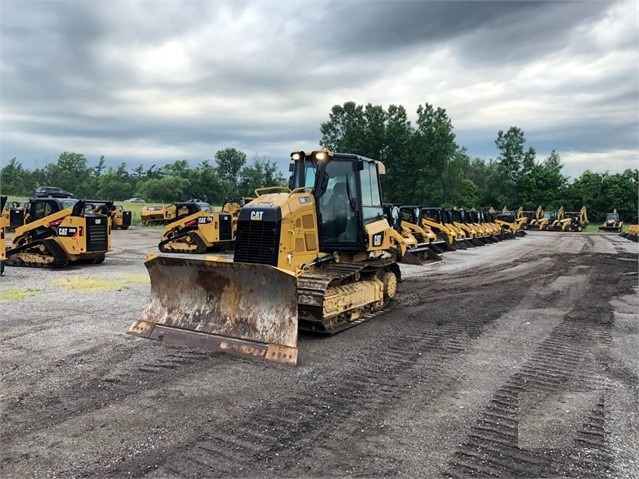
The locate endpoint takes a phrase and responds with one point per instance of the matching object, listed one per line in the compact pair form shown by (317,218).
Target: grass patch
(12,295)
(94,283)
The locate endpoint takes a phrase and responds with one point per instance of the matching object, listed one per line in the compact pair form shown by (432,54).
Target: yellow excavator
(58,231)
(534,218)
(317,255)
(570,221)
(197,231)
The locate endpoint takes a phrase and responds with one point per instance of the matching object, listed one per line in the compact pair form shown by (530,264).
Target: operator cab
(347,192)
(42,207)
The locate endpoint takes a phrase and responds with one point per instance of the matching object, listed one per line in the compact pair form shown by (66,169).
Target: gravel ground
(517,359)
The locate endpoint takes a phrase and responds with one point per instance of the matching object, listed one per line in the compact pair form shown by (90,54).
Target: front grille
(226,227)
(97,233)
(257,242)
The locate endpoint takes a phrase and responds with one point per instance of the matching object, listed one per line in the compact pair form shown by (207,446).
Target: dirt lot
(518,359)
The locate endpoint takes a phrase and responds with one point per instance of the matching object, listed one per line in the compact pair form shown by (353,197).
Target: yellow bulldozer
(612,223)
(58,231)
(199,231)
(316,256)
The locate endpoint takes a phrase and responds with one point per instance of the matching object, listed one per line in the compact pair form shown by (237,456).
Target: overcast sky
(152,82)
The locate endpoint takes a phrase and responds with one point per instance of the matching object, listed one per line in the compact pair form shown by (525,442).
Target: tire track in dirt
(302,430)
(109,383)
(565,363)
(298,424)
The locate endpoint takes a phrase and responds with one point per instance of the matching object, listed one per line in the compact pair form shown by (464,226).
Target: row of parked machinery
(53,232)
(559,220)
(320,255)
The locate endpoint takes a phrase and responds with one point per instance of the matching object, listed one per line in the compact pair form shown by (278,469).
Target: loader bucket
(243,309)
(421,255)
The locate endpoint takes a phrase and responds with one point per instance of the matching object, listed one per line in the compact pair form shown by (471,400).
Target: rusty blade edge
(249,349)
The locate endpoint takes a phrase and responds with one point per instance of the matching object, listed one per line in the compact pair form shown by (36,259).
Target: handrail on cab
(284,189)
(263,191)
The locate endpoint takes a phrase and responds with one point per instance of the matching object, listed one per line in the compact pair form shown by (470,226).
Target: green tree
(178,168)
(480,172)
(114,184)
(13,179)
(543,184)
(458,190)
(100,167)
(70,173)
(166,189)
(229,163)
(398,184)
(512,164)
(434,146)
(261,173)
(205,183)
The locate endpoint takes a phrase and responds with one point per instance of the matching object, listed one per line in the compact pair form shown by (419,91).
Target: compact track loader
(58,231)
(434,218)
(612,222)
(316,257)
(120,218)
(152,215)
(162,215)
(492,233)
(509,224)
(472,233)
(421,242)
(15,212)
(198,231)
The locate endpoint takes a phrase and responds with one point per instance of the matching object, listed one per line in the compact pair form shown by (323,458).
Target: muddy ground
(518,359)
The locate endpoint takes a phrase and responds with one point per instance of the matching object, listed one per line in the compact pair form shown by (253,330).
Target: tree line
(424,164)
(230,177)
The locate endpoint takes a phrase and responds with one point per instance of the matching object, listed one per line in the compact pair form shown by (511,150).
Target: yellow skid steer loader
(198,231)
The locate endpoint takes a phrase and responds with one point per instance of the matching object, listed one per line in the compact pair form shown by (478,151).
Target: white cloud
(161,81)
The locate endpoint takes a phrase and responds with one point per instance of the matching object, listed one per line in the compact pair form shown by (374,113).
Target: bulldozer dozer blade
(243,309)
